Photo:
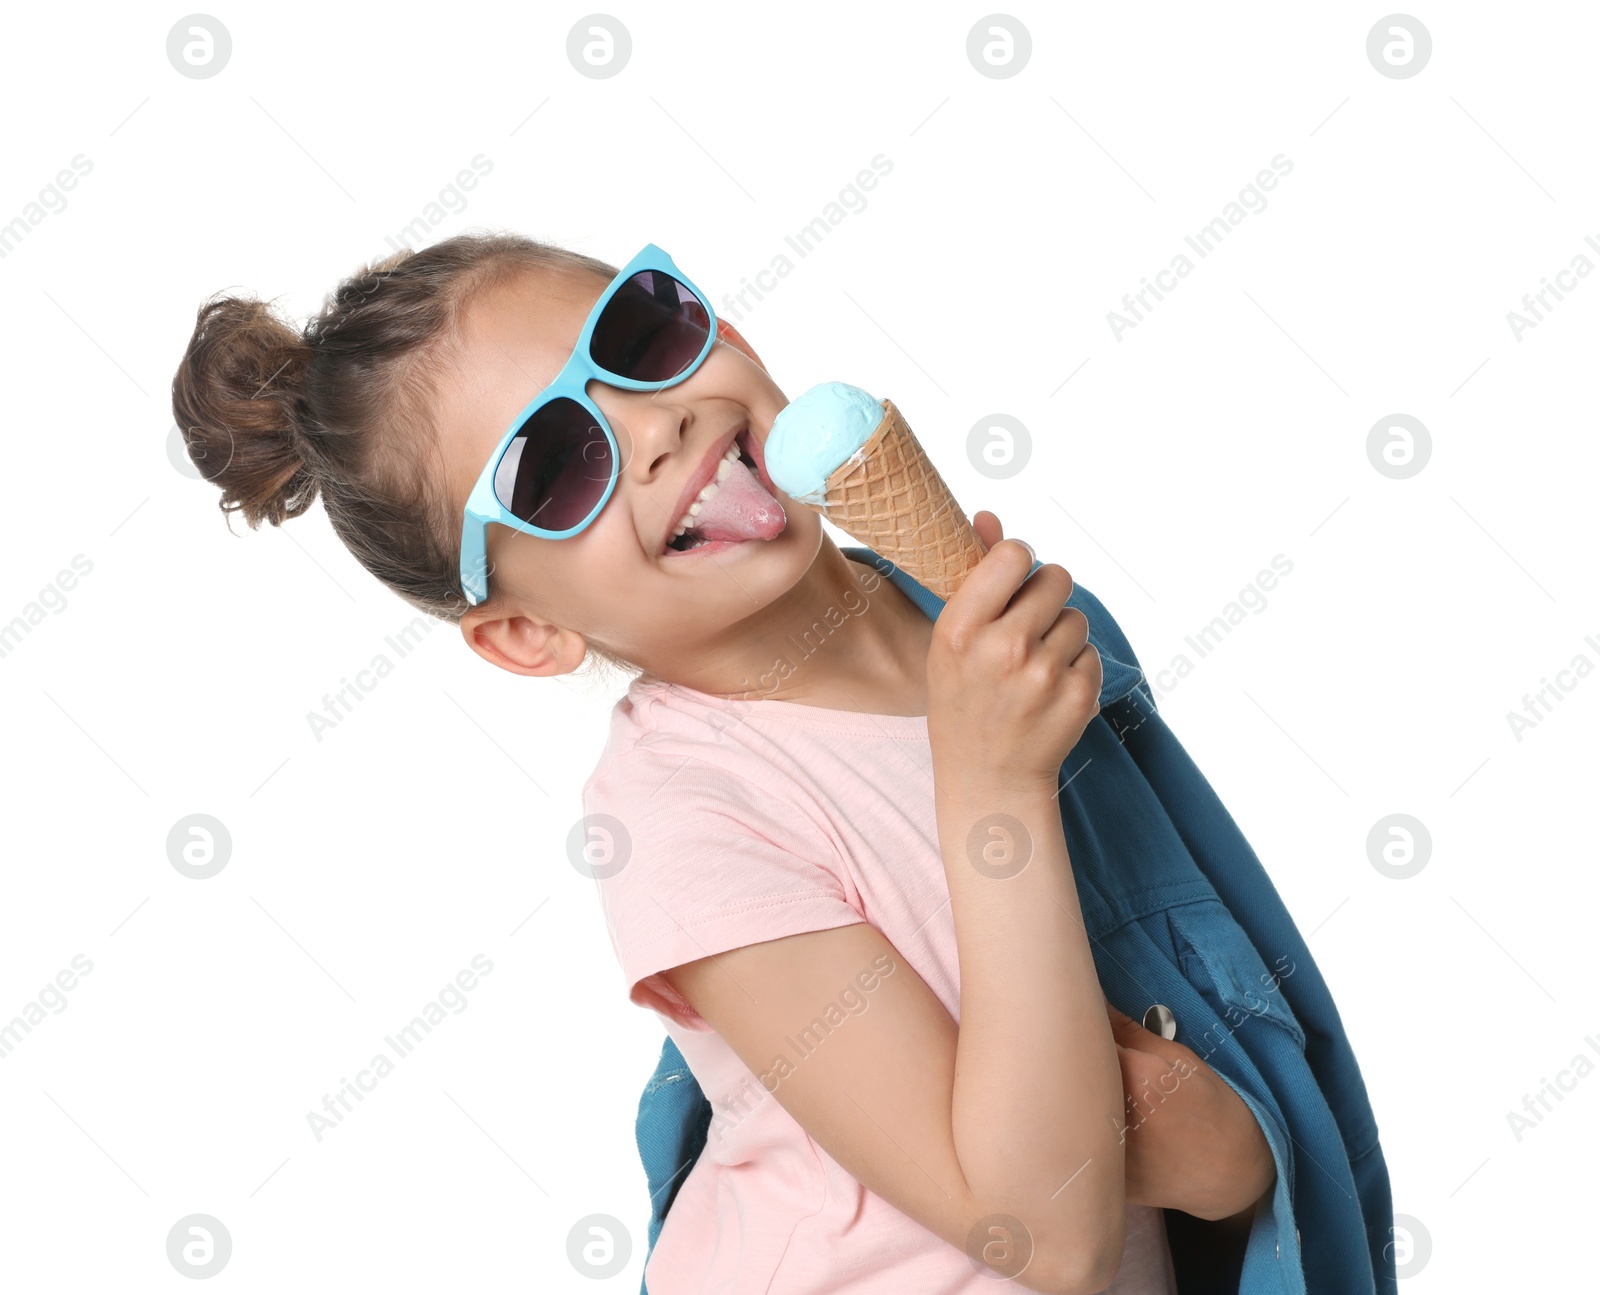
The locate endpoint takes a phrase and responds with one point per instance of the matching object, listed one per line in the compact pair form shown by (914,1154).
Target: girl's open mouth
(736,505)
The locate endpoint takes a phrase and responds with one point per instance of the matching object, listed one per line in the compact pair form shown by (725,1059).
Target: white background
(1229,426)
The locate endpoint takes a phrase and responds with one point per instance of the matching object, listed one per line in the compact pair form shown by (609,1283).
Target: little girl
(830,833)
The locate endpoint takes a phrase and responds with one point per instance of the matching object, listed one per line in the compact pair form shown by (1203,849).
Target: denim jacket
(1179,912)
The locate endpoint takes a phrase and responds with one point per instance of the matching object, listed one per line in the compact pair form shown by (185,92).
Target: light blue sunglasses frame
(484,506)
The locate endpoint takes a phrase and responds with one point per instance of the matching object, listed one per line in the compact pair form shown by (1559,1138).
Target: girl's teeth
(723,468)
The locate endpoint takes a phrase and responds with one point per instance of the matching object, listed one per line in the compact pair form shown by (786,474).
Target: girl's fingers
(988,527)
(1129,1035)
(1119,1017)
(1126,1032)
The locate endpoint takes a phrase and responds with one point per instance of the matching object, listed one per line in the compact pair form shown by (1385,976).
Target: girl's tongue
(742,509)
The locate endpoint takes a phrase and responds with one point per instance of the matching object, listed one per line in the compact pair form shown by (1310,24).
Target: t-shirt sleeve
(701,861)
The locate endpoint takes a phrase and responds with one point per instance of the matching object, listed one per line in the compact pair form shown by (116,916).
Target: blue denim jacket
(1180,912)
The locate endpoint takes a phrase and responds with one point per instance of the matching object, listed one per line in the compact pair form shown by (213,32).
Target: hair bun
(238,398)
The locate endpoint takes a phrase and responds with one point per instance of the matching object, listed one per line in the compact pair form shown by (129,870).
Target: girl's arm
(1003,1135)
(878,1093)
(1191,1142)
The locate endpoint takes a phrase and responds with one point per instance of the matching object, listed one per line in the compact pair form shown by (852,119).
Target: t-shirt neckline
(794,712)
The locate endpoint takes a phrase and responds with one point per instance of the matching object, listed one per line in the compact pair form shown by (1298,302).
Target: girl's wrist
(957,782)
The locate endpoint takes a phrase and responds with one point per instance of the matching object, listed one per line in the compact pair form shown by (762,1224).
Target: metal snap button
(1158,1019)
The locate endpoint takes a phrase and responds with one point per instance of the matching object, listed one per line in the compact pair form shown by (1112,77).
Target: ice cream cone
(890,497)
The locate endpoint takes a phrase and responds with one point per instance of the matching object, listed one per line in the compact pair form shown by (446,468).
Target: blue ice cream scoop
(815,433)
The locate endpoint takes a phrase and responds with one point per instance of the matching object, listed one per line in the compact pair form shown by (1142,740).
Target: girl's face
(616,582)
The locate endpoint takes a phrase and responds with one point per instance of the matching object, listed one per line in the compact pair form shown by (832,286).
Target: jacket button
(1158,1019)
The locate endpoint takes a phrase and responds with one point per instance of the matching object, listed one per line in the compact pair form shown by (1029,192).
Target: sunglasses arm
(474,558)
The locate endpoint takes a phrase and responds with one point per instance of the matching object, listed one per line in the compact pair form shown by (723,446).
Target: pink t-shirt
(748,821)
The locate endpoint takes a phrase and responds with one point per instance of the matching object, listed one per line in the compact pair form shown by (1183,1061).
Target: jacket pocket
(1218,958)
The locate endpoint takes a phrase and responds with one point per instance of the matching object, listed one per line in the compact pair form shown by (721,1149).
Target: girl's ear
(522,644)
(726,332)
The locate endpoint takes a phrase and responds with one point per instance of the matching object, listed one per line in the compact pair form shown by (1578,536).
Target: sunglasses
(558,462)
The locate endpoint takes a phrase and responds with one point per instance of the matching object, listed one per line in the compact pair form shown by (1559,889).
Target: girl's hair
(275,416)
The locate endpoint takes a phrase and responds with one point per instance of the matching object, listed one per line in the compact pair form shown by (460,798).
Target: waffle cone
(890,497)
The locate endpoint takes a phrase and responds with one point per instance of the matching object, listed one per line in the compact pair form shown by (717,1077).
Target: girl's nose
(648,425)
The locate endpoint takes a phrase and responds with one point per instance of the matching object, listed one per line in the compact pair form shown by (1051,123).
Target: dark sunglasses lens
(556,468)
(652,329)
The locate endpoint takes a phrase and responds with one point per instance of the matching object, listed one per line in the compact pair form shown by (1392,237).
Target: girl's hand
(1012,679)
(1190,1143)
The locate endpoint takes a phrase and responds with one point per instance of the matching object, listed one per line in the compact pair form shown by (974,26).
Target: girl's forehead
(534,315)
(515,337)
(513,340)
